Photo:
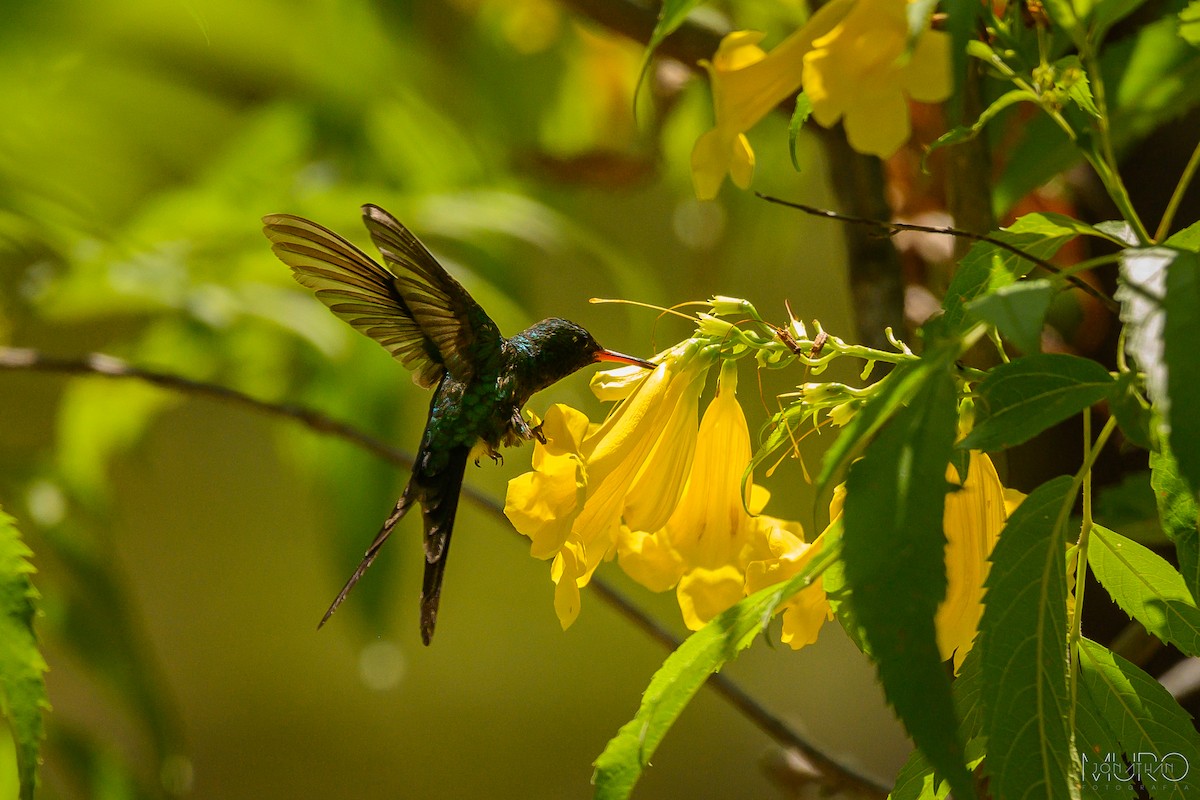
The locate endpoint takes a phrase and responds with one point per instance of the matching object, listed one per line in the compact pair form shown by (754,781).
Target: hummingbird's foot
(537,433)
(497,457)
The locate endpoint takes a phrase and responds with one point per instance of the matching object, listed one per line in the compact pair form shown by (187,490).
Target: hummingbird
(431,325)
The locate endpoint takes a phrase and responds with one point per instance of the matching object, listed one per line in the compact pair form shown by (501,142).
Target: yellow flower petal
(704,593)
(564,572)
(543,504)
(807,611)
(878,128)
(859,71)
(973,519)
(649,559)
(928,77)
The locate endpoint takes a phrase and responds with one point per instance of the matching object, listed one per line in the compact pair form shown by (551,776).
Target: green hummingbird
(428,322)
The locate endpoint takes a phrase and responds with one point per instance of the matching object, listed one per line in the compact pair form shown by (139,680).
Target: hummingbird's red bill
(621,358)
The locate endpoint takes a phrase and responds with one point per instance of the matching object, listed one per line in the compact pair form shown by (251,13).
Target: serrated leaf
(890,394)
(1123,711)
(1023,644)
(1177,511)
(23,699)
(1022,398)
(1180,337)
(1151,76)
(893,556)
(685,671)
(988,267)
(1141,292)
(1017,311)
(799,117)
(1073,78)
(1147,588)
(917,780)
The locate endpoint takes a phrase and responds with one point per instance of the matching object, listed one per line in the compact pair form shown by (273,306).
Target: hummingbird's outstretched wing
(355,288)
(458,328)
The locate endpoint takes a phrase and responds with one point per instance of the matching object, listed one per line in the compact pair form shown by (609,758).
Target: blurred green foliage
(185,549)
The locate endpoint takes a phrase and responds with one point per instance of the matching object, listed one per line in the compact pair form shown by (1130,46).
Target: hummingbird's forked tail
(402,506)
(439,502)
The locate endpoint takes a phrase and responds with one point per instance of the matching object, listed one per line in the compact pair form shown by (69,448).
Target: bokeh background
(186,547)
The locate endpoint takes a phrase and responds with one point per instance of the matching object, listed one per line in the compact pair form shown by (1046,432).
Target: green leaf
(799,117)
(1023,649)
(1189,23)
(1131,410)
(917,780)
(1160,306)
(1123,711)
(1180,337)
(965,133)
(1022,398)
(1062,12)
(23,700)
(1073,79)
(1189,237)
(987,267)
(891,393)
(893,554)
(1150,77)
(1017,311)
(1146,588)
(1177,511)
(1109,12)
(685,671)
(670,17)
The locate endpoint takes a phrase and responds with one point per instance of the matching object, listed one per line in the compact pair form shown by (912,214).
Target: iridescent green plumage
(429,323)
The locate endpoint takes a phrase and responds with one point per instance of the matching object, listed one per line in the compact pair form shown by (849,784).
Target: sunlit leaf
(1022,639)
(1124,715)
(1180,336)
(1177,510)
(1189,23)
(23,700)
(1146,588)
(625,757)
(799,117)
(1022,398)
(890,394)
(1017,311)
(893,556)
(1150,76)
(987,267)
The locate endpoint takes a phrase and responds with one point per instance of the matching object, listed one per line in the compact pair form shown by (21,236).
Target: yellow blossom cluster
(668,496)
(855,63)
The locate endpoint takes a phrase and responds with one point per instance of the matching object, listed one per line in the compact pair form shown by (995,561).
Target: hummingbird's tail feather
(440,502)
(402,506)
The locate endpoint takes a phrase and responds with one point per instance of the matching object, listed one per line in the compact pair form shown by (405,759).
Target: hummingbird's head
(557,347)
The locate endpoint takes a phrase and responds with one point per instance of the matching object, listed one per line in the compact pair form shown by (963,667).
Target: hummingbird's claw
(537,433)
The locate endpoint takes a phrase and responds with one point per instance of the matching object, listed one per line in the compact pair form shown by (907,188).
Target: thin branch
(15,359)
(893,227)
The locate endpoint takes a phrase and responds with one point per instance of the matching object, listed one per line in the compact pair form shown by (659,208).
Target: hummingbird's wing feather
(355,288)
(456,325)
(439,502)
